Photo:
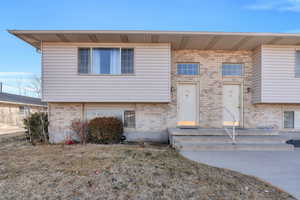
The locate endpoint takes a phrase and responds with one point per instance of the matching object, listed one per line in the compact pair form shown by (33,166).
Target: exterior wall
(62,83)
(152,120)
(279,84)
(211,82)
(10,115)
(256,76)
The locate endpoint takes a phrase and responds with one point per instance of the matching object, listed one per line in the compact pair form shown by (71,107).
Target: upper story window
(113,61)
(297,68)
(187,68)
(232,69)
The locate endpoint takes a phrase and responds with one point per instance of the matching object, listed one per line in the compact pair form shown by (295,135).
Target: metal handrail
(233,136)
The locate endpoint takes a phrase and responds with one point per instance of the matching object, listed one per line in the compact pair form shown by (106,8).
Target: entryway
(187,104)
(231,105)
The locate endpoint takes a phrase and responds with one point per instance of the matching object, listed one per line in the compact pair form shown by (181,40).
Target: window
(84,60)
(289,119)
(187,68)
(127,61)
(22,110)
(127,116)
(100,112)
(297,68)
(129,119)
(232,70)
(113,61)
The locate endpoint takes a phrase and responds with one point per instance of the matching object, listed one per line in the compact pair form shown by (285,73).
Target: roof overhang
(177,39)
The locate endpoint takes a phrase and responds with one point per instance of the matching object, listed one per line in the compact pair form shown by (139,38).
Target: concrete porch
(203,139)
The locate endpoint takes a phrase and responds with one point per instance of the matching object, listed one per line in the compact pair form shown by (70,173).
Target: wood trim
(183,43)
(124,38)
(62,37)
(274,40)
(240,43)
(154,38)
(93,37)
(212,42)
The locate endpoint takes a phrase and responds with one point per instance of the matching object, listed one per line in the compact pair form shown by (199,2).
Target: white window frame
(284,119)
(236,76)
(122,112)
(102,47)
(134,118)
(198,67)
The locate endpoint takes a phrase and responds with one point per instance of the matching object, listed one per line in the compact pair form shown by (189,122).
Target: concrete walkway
(280,168)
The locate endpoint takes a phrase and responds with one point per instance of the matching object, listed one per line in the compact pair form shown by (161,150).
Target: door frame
(197,84)
(241,124)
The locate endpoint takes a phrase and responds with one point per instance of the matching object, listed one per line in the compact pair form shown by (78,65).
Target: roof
(178,39)
(19,99)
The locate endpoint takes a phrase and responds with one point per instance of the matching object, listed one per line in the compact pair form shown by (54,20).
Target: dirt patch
(117,172)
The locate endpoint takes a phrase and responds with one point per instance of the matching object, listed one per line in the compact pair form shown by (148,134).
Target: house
(14,108)
(156,80)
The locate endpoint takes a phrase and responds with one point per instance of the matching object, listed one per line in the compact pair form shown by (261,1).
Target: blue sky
(19,61)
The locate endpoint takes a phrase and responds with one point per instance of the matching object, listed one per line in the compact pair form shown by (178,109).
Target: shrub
(105,130)
(79,127)
(36,126)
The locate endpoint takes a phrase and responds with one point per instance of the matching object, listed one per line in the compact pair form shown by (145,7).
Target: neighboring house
(13,108)
(155,80)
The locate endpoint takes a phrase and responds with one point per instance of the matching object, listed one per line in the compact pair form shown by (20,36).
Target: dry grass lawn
(118,172)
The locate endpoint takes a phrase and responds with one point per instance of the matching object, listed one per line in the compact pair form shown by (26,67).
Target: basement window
(106,61)
(187,69)
(129,119)
(289,117)
(232,70)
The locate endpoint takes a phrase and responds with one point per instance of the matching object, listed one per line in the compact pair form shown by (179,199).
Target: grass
(118,172)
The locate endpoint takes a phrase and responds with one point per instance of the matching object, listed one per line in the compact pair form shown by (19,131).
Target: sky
(19,62)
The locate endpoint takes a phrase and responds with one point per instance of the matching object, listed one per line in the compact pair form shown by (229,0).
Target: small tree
(36,125)
(80,128)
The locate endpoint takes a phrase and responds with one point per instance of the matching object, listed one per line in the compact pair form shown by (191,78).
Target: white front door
(187,105)
(231,105)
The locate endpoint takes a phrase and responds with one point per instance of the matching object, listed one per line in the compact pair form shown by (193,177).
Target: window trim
(129,110)
(198,63)
(105,47)
(283,119)
(114,109)
(233,76)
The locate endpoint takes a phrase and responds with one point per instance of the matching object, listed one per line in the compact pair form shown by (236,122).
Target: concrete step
(226,139)
(236,147)
(219,131)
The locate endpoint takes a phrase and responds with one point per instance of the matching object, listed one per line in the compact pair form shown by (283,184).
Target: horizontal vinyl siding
(62,83)
(256,77)
(279,84)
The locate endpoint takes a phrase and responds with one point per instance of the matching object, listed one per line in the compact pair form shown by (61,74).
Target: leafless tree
(20,85)
(35,85)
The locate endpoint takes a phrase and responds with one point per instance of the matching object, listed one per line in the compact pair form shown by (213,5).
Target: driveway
(280,168)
